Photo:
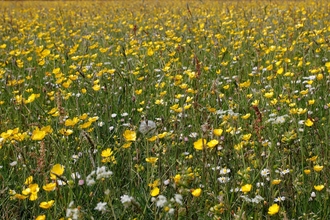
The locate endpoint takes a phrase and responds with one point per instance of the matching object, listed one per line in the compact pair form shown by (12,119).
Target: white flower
(147,126)
(102,172)
(259,184)
(313,195)
(75,175)
(264,172)
(71,212)
(257,199)
(101,206)
(171,211)
(166,182)
(126,200)
(237,189)
(245,198)
(89,179)
(124,114)
(279,199)
(60,182)
(14,163)
(178,198)
(223,179)
(161,201)
(193,135)
(224,171)
(285,171)
(280,119)
(107,192)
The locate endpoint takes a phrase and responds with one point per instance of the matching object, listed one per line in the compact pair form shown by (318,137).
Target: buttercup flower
(47,205)
(57,170)
(154,192)
(196,192)
(200,144)
(272,210)
(129,135)
(152,160)
(319,187)
(317,168)
(246,188)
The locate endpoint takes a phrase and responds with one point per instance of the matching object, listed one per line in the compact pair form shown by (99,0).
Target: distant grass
(239,94)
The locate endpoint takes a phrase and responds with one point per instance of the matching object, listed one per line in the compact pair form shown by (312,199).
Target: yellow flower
(49,187)
(31,98)
(71,122)
(96,87)
(177,178)
(153,138)
(196,192)
(106,153)
(317,168)
(45,52)
(245,84)
(32,190)
(57,170)
(280,71)
(41,217)
(20,196)
(255,103)
(28,180)
(313,159)
(311,102)
(307,171)
(66,132)
(150,52)
(38,135)
(276,182)
(162,135)
(217,132)
(272,210)
(154,192)
(83,116)
(246,137)
(129,135)
(152,160)
(47,205)
(85,125)
(246,116)
(318,187)
(246,188)
(238,146)
(268,95)
(127,145)
(212,143)
(199,144)
(154,184)
(319,76)
(93,119)
(138,91)
(309,122)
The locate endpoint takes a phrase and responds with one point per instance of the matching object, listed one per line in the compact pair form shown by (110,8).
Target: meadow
(164,110)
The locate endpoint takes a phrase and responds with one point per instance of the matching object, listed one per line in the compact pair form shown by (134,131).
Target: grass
(153,110)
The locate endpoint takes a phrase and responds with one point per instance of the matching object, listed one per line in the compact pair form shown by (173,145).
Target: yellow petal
(154,192)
